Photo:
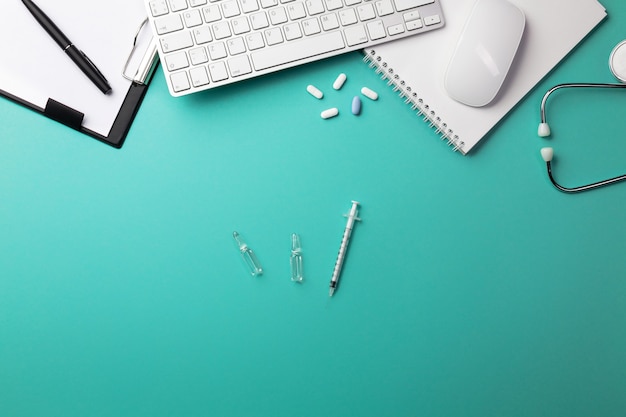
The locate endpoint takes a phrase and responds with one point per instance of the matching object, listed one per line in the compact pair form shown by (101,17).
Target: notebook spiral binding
(411,97)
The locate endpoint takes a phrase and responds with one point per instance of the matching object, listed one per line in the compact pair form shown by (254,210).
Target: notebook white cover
(553,29)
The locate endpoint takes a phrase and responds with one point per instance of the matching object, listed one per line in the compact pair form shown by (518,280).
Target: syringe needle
(343,249)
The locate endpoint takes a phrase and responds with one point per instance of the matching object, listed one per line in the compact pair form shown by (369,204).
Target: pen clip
(93,66)
(147,64)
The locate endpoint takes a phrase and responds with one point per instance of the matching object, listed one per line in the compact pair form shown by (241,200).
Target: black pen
(79,58)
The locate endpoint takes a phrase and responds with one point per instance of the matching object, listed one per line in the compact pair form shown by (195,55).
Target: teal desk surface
(472,287)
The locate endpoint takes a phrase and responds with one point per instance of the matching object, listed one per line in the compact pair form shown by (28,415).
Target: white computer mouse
(484,52)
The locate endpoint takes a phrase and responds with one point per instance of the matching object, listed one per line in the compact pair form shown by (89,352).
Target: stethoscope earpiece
(544,130)
(617,63)
(547,154)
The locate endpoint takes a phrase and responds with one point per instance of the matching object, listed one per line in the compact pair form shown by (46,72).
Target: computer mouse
(484,52)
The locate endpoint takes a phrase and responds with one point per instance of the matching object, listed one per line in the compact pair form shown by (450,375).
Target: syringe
(343,249)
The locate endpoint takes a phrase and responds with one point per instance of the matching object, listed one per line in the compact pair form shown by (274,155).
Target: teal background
(472,286)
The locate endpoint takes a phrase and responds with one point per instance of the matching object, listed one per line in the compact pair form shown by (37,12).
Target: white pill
(339,81)
(314,91)
(371,94)
(328,113)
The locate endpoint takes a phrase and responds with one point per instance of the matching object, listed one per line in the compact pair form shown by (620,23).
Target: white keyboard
(208,43)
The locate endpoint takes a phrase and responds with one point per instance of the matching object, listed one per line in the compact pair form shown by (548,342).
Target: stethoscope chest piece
(617,61)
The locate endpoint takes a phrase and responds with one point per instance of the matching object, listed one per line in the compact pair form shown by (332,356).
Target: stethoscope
(617,63)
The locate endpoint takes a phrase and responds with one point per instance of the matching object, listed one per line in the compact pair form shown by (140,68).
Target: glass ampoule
(248,255)
(295,259)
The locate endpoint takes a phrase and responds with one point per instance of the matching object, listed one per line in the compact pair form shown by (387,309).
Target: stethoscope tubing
(616,64)
(544,101)
(581,188)
(573,85)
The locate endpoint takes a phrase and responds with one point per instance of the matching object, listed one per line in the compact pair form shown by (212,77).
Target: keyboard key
(230,8)
(211,13)
(277,15)
(412,15)
(177,61)
(355,35)
(366,12)
(239,66)
(402,5)
(198,76)
(236,46)
(296,11)
(333,4)
(217,51)
(414,24)
(221,30)
(249,6)
(273,36)
(384,7)
(330,21)
(218,71)
(192,18)
(314,7)
(240,25)
(347,17)
(259,21)
(432,20)
(180,82)
(168,24)
(198,56)
(311,27)
(297,50)
(202,35)
(158,8)
(176,41)
(395,29)
(254,41)
(292,31)
(178,5)
(376,30)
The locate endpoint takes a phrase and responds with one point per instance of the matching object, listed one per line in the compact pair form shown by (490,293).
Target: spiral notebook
(415,66)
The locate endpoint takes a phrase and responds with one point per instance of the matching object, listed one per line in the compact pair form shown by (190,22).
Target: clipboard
(37,74)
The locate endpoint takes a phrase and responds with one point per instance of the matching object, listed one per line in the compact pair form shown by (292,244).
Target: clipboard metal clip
(148,62)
